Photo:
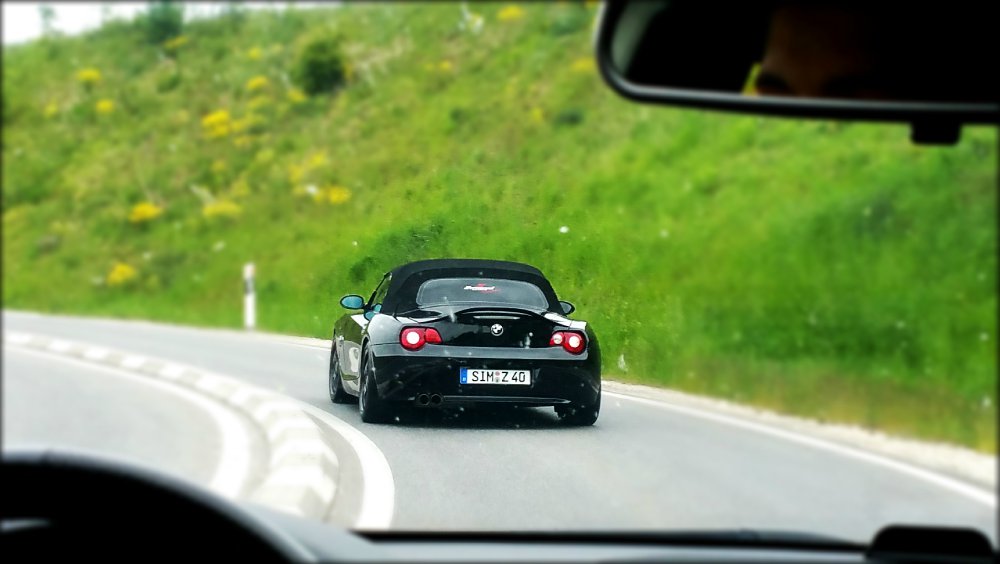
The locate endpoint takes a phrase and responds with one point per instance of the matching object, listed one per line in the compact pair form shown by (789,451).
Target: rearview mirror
(352,301)
(927,64)
(567,307)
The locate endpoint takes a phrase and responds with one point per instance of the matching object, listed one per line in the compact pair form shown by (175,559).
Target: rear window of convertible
(441,291)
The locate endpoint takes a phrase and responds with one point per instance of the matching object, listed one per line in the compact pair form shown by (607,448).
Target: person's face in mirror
(822,51)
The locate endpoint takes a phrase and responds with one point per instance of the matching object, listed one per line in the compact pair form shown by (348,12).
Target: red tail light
(572,341)
(432,336)
(414,338)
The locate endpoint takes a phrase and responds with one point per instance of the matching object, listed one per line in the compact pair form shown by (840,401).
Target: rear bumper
(557,377)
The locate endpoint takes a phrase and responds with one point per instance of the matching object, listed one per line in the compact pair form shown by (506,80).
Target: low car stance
(460,332)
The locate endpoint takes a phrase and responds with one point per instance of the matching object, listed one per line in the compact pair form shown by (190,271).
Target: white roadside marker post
(249,298)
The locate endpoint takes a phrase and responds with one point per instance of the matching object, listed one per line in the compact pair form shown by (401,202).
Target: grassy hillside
(831,270)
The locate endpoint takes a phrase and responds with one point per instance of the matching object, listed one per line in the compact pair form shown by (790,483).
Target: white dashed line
(233,464)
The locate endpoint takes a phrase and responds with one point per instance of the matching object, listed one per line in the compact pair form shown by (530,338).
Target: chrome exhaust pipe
(423,399)
(436,399)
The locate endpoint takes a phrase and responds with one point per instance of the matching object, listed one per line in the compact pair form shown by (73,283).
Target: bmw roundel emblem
(496,329)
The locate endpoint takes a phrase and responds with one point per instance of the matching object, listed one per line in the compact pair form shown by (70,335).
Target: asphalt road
(52,402)
(639,468)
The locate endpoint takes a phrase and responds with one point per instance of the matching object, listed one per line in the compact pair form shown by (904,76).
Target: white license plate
(486,376)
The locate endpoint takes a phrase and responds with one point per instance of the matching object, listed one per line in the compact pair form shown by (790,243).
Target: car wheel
(336,383)
(579,415)
(372,408)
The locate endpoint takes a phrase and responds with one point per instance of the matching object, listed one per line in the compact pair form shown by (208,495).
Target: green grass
(823,269)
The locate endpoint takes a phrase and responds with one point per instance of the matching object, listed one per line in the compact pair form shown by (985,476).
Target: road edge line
(967,490)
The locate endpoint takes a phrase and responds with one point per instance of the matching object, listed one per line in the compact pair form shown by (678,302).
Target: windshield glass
(769,324)
(454,291)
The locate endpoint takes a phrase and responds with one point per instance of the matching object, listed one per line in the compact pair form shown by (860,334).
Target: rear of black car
(486,339)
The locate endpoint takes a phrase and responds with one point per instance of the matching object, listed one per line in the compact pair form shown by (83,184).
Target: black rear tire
(336,381)
(579,415)
(372,408)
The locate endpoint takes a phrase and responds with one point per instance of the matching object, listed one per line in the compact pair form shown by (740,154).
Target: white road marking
(273,405)
(17,338)
(243,395)
(378,489)
(286,424)
(299,447)
(314,347)
(60,346)
(956,486)
(133,361)
(233,466)
(95,353)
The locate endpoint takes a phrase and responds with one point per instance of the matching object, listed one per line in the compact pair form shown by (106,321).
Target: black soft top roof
(406,278)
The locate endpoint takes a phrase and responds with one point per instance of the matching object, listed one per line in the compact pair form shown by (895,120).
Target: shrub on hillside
(319,66)
(164,21)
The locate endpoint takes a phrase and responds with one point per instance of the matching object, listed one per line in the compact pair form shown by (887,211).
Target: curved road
(640,467)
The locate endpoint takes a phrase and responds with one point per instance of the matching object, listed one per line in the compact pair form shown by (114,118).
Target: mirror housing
(700,54)
(567,307)
(352,301)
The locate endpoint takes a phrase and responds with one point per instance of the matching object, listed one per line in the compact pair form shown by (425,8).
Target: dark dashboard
(69,505)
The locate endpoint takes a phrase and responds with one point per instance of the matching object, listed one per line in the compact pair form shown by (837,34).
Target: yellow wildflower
(221,208)
(51,109)
(144,212)
(121,274)
(89,76)
(296,96)
(217,131)
(104,106)
(175,43)
(335,194)
(510,13)
(256,83)
(295,174)
(584,65)
(217,124)
(317,160)
(445,66)
(215,118)
(219,166)
(537,115)
(254,54)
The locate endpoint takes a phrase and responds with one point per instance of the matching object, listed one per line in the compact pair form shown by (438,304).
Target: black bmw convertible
(460,332)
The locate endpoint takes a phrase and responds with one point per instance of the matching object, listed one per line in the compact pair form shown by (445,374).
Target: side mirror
(567,307)
(866,61)
(371,313)
(352,301)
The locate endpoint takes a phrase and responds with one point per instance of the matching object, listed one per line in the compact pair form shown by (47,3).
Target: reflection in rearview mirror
(820,50)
